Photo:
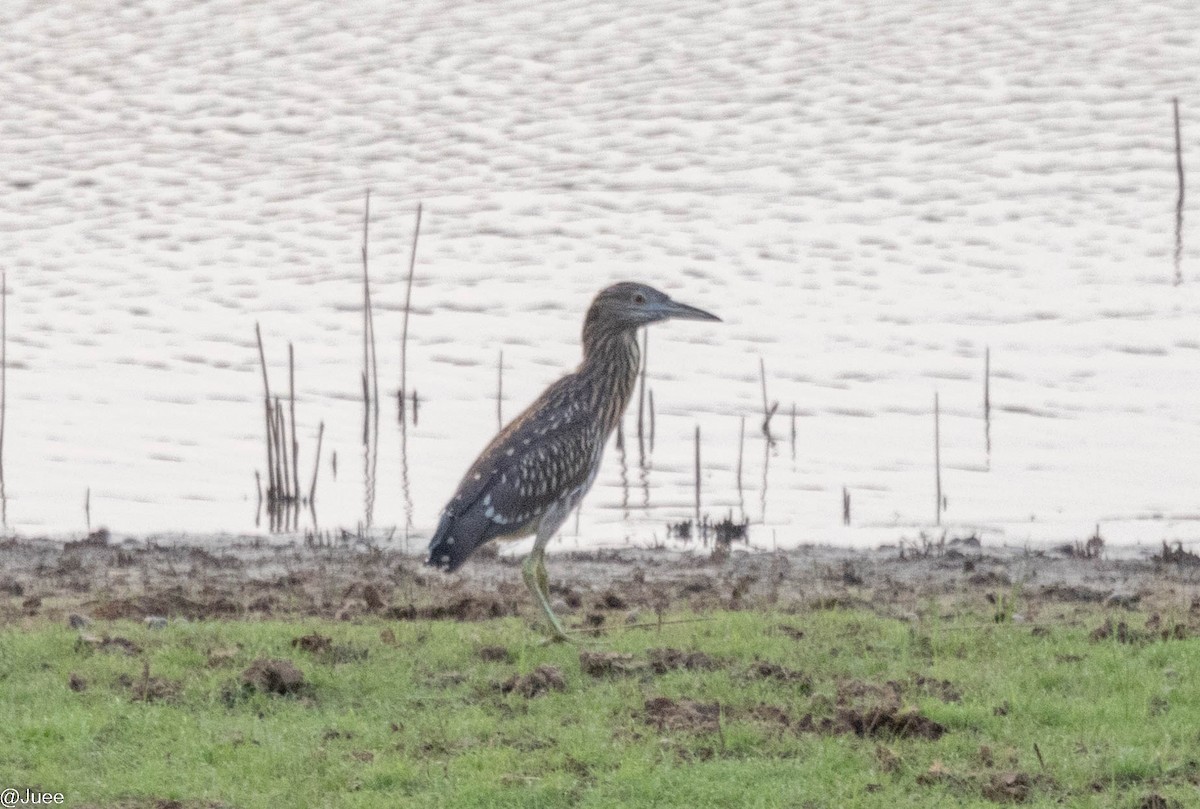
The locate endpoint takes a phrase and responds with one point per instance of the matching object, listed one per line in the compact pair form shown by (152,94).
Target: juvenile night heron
(540,466)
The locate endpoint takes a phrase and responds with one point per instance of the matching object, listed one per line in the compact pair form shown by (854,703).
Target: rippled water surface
(869,199)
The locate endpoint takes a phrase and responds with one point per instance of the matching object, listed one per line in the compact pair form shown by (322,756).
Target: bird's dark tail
(449,547)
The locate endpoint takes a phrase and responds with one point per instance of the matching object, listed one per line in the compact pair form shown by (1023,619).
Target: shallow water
(870,200)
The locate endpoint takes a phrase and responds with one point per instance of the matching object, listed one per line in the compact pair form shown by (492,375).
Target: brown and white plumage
(538,468)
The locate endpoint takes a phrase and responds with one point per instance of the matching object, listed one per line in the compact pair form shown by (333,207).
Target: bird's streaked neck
(611,360)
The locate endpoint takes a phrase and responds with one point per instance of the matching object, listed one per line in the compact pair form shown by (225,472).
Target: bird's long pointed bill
(682,311)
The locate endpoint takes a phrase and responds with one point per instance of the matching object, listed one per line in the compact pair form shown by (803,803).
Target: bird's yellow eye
(639,298)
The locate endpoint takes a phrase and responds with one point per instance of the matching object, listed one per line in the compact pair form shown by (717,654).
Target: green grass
(422,721)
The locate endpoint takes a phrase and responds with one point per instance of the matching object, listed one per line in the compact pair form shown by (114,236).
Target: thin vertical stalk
(312,487)
(1179,199)
(937,455)
(697,441)
(642,387)
(412,266)
(292,409)
(650,396)
(987,399)
(500,390)
(272,482)
(3,377)
(370,360)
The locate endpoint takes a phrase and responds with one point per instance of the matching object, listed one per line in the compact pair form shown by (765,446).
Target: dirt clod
(540,681)
(765,670)
(495,654)
(1008,787)
(313,643)
(668,659)
(608,664)
(274,676)
(684,714)
(108,643)
(887,721)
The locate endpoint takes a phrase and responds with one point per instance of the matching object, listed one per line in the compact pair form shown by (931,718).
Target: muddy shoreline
(206,577)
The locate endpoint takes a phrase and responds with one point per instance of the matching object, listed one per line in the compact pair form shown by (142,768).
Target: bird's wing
(547,452)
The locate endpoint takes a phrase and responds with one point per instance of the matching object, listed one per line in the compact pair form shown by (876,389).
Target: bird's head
(629,305)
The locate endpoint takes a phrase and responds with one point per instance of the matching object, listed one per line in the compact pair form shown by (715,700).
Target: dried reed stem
(768,410)
(3,373)
(272,483)
(370,360)
(1179,199)
(937,454)
(292,409)
(642,387)
(650,396)
(741,449)
(412,266)
(987,399)
(697,480)
(312,487)
(500,390)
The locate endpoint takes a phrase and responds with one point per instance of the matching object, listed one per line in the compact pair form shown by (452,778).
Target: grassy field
(829,708)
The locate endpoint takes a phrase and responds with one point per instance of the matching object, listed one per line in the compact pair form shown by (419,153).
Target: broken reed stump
(412,267)
(845,506)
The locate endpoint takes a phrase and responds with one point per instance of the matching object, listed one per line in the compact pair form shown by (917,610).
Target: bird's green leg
(533,569)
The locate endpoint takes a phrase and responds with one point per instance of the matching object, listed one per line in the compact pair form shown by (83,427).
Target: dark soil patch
(495,654)
(771,715)
(1122,631)
(668,659)
(608,664)
(170,602)
(944,690)
(150,689)
(77,683)
(313,643)
(540,681)
(1067,592)
(793,632)
(324,648)
(1156,801)
(765,670)
(611,600)
(889,722)
(274,676)
(1008,787)
(852,692)
(108,644)
(684,714)
(467,608)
